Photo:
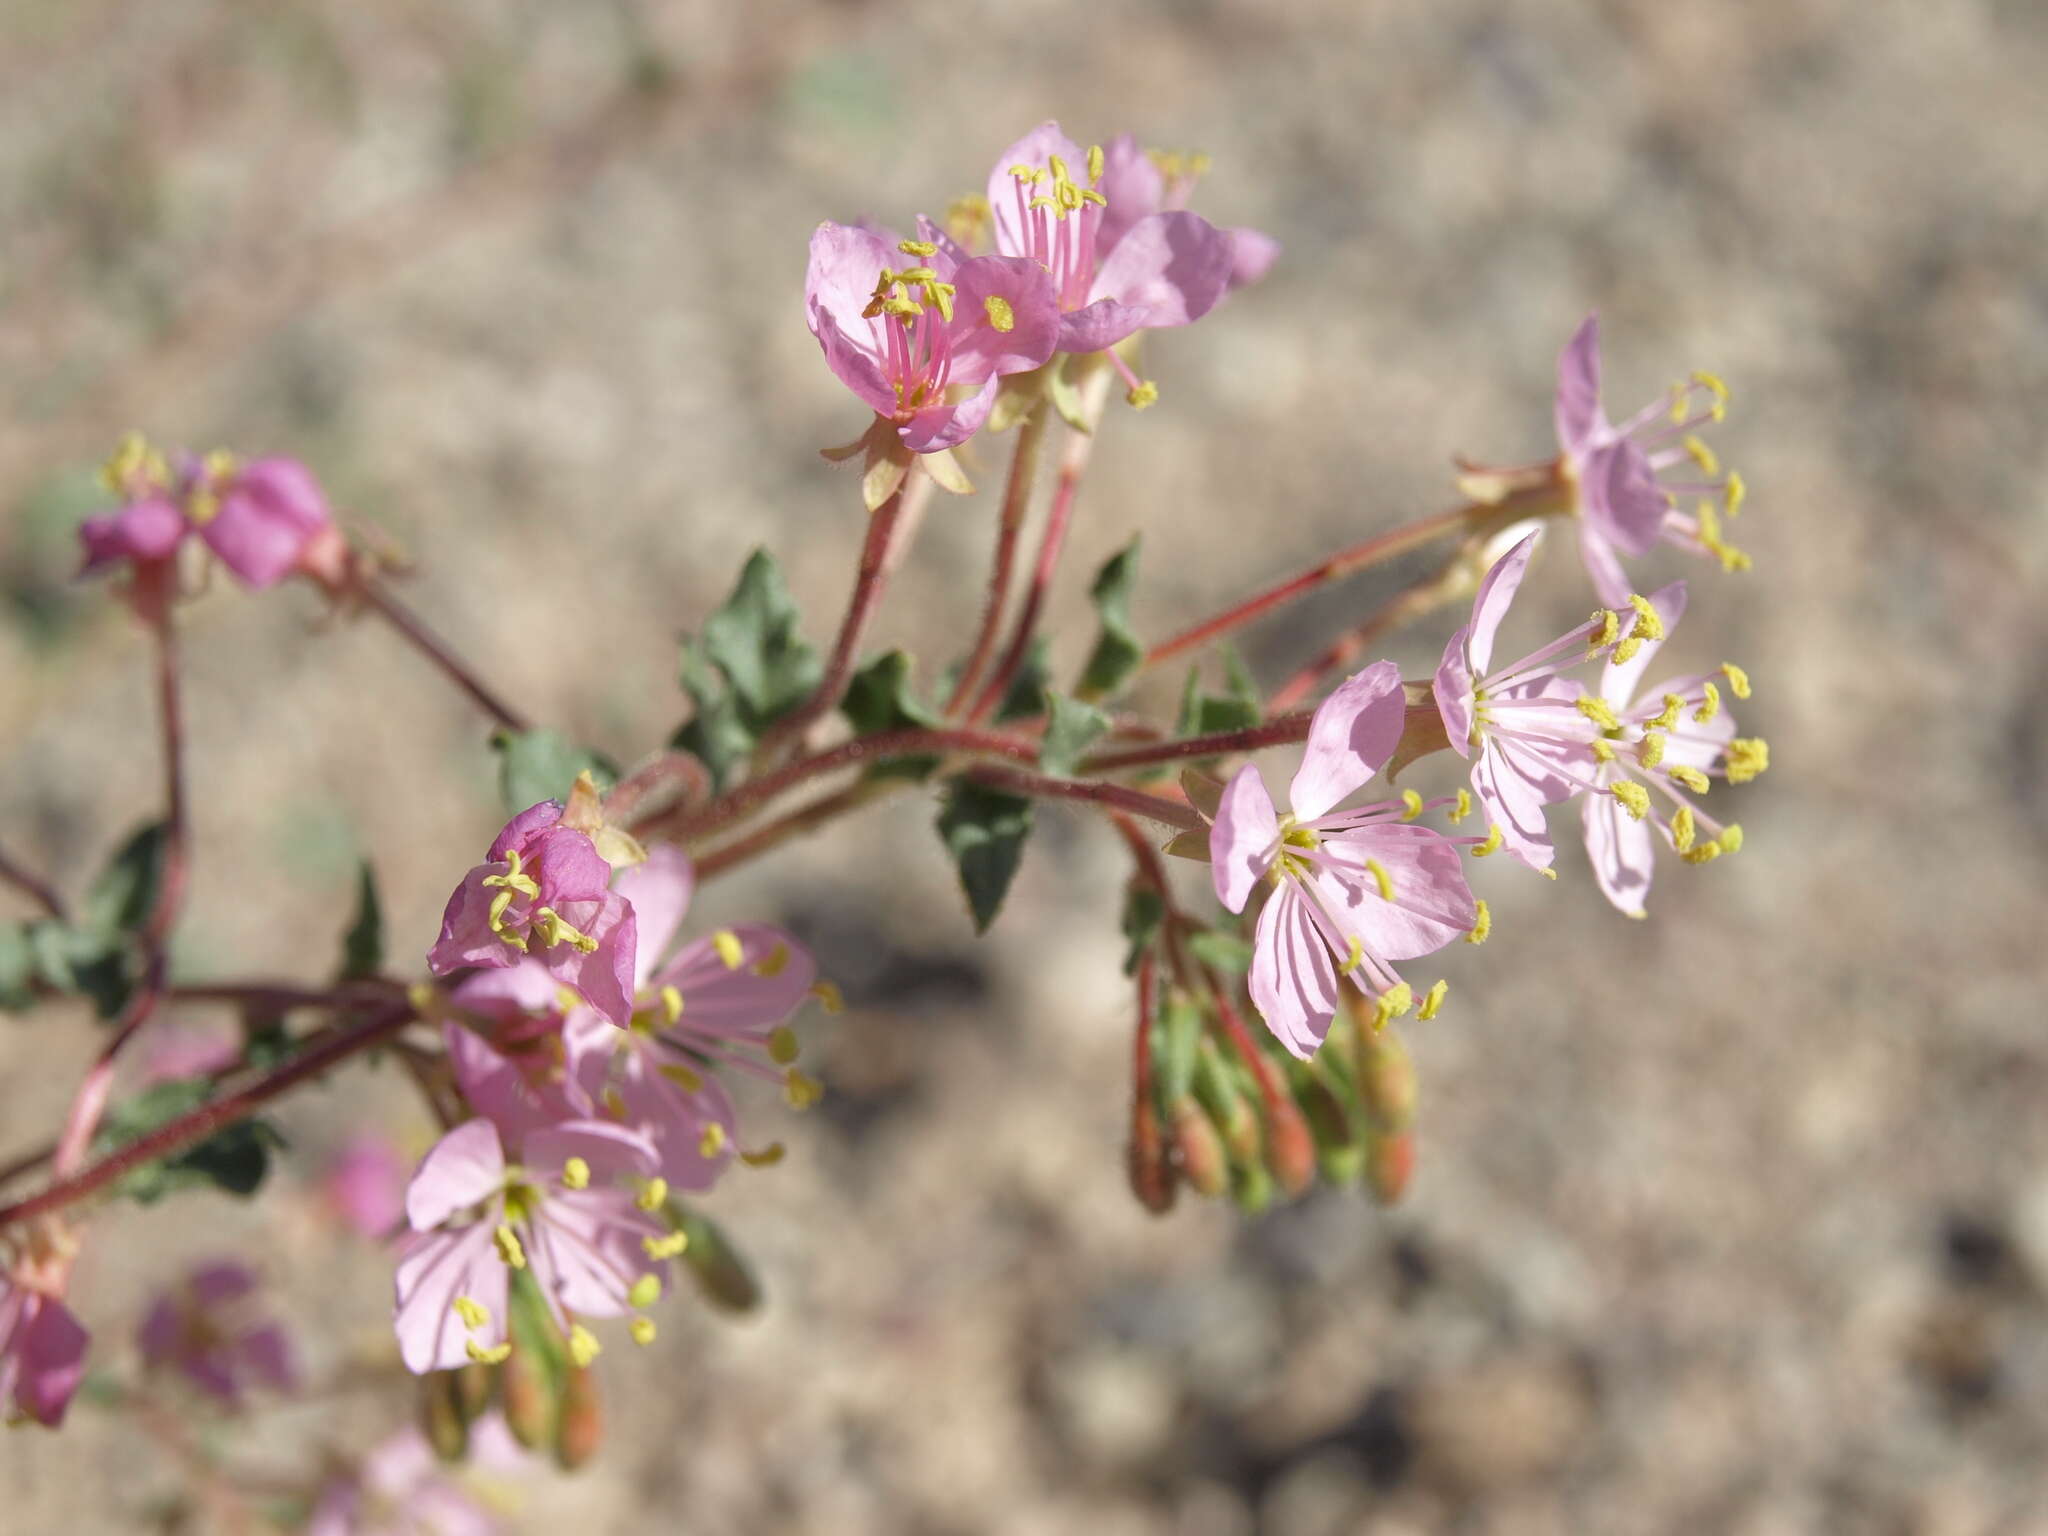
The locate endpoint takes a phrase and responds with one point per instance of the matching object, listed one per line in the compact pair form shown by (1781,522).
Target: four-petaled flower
(205,1329)
(1624,506)
(543,891)
(1353,890)
(594,1246)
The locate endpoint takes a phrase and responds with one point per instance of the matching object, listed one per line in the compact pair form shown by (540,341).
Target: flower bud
(1290,1149)
(721,1272)
(529,1399)
(441,1416)
(1203,1162)
(1252,1188)
(1151,1175)
(1339,1155)
(581,1428)
(473,1384)
(1386,1080)
(1390,1166)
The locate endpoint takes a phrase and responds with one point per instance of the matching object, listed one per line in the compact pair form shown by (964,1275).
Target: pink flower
(260,517)
(1625,506)
(143,532)
(543,891)
(402,1489)
(922,334)
(205,1329)
(593,1248)
(1676,740)
(722,1001)
(42,1346)
(1526,729)
(1352,890)
(1140,182)
(365,1184)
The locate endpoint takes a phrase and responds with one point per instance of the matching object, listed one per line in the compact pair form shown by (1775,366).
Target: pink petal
(1252,255)
(1596,551)
(495,1086)
(51,1348)
(1352,734)
(522,829)
(603,976)
(677,1119)
(1101,324)
(1514,803)
(1622,851)
(1034,149)
(567,867)
(143,530)
(610,1150)
(1294,977)
(1619,495)
(517,994)
(1024,292)
(739,1000)
(659,891)
(1172,267)
(947,426)
(466,937)
(269,512)
(845,263)
(1618,680)
(586,1251)
(1244,838)
(1431,906)
(1453,691)
(1579,422)
(1133,186)
(1496,594)
(433,1270)
(464,1168)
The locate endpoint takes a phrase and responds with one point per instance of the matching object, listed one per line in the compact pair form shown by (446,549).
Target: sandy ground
(1733,1221)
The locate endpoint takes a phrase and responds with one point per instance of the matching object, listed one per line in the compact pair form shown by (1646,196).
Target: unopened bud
(1386,1080)
(1390,1165)
(441,1418)
(529,1399)
(473,1391)
(720,1271)
(1151,1175)
(1252,1187)
(581,1427)
(1203,1162)
(1339,1155)
(1290,1148)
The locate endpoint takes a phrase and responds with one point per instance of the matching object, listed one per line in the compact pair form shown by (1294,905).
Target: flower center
(1059,217)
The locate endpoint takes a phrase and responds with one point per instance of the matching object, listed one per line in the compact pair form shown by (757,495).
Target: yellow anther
(685,1078)
(1432,1000)
(1057,166)
(653,1194)
(1710,703)
(1679,400)
(473,1313)
(1027,173)
(1482,926)
(1381,878)
(1713,385)
(1608,632)
(1491,845)
(1633,797)
(1731,558)
(729,948)
(919,275)
(495,1355)
(1463,808)
(1392,1004)
(575,1174)
(1090,195)
(917,247)
(1354,957)
(509,1249)
(126,462)
(583,1345)
(614,1105)
(1650,751)
(829,997)
(1738,680)
(1095,162)
(712,1142)
(1595,709)
(1625,650)
(1602,749)
(671,1003)
(1748,756)
(1703,853)
(1736,489)
(1730,838)
(1667,718)
(1144,393)
(802,1092)
(901,304)
(550,927)
(782,1046)
(1649,626)
(645,1293)
(1702,455)
(642,1330)
(1411,804)
(1683,828)
(665,1247)
(1689,776)
(766,1157)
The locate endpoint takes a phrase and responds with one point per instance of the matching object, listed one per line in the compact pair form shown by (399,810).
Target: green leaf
(17,967)
(879,698)
(1175,1042)
(748,667)
(1026,696)
(1234,710)
(1071,727)
(1225,951)
(125,893)
(234,1159)
(1117,650)
(984,830)
(541,765)
(101,965)
(362,948)
(1143,912)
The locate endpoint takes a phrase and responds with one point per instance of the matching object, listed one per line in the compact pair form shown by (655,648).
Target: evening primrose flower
(1626,499)
(543,892)
(575,1209)
(42,1346)
(1526,728)
(205,1329)
(1681,735)
(1353,890)
(1120,261)
(722,1002)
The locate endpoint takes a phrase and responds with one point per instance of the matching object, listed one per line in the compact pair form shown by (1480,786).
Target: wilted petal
(50,1347)
(466,934)
(1244,838)
(264,519)
(1252,255)
(143,530)
(602,977)
(1352,734)
(659,891)
(522,829)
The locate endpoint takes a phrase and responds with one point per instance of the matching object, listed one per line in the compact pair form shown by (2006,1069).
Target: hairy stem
(422,639)
(1456,578)
(34,887)
(772,834)
(1173,813)
(1274,732)
(1016,501)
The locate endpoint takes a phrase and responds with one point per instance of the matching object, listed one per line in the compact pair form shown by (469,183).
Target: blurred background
(1736,1220)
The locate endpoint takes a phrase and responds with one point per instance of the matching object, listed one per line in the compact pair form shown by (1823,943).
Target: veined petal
(1006,318)
(463,1168)
(1133,187)
(1580,424)
(772,979)
(1496,595)
(1243,839)
(946,426)
(1514,803)
(1619,494)
(466,937)
(1101,324)
(586,1252)
(1172,267)
(602,976)
(845,263)
(434,1269)
(1453,690)
(1294,978)
(608,1148)
(677,1117)
(659,891)
(1352,734)
(1621,850)
(1431,904)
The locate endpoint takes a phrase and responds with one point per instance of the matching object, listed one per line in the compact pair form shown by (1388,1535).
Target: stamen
(1608,632)
(917,248)
(1483,926)
(1462,809)
(1702,455)
(473,1313)
(729,948)
(802,1092)
(583,1345)
(1354,957)
(1392,1004)
(1713,385)
(1710,703)
(1142,394)
(767,1157)
(774,963)
(1748,756)
(1736,489)
(1689,776)
(1683,828)
(1738,680)
(829,997)
(1667,718)
(642,1330)
(1730,838)
(645,1293)
(665,1247)
(509,1250)
(1381,878)
(1596,710)
(497,1354)
(685,1078)
(712,1142)
(1491,845)
(1094,163)
(1411,804)
(1433,999)
(576,1174)
(1650,752)
(999,313)
(671,1004)
(782,1046)
(653,1194)
(1704,853)
(1649,626)
(1633,797)
(1602,749)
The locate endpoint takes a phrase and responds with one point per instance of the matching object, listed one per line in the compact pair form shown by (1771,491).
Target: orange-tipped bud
(473,1385)
(1390,1166)
(1151,1175)
(1203,1162)
(441,1418)
(581,1427)
(1386,1081)
(529,1399)
(1290,1148)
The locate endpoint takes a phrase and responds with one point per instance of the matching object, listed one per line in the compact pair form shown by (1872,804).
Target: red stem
(195,1126)
(428,644)
(1282,728)
(1038,785)
(771,833)
(34,887)
(1407,605)
(1016,498)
